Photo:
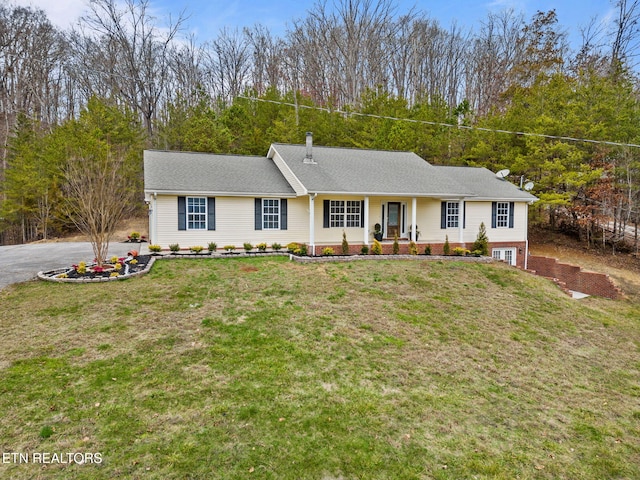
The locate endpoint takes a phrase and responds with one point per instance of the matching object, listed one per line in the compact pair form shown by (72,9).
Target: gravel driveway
(19,263)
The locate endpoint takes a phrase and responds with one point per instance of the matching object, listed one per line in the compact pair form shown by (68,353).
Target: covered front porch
(365,218)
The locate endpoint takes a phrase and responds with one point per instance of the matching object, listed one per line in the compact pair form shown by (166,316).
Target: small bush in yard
(196,248)
(327,251)
(276,246)
(174,247)
(446,249)
(345,244)
(301,250)
(247,246)
(376,249)
(262,247)
(155,248)
(212,246)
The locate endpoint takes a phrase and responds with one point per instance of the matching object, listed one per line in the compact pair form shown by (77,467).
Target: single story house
(312,194)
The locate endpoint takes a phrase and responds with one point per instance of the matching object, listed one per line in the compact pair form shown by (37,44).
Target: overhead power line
(448,125)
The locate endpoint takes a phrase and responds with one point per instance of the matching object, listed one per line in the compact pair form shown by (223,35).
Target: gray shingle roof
(188,172)
(336,170)
(373,172)
(485,185)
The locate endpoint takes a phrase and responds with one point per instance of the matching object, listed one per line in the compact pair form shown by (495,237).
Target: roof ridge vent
(308,158)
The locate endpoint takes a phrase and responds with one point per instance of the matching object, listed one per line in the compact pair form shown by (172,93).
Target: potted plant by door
(377,232)
(417,231)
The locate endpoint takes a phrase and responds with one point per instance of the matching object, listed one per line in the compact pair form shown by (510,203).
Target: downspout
(154,217)
(312,226)
(526,237)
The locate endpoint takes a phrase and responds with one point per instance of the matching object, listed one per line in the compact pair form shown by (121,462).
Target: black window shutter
(326,206)
(258,214)
(511,208)
(464,214)
(361,213)
(494,214)
(211,213)
(443,215)
(182,213)
(283,214)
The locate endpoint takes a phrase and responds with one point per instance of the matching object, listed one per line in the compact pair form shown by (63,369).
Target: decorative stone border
(50,276)
(355,258)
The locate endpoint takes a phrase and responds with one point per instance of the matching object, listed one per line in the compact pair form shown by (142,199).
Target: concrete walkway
(19,263)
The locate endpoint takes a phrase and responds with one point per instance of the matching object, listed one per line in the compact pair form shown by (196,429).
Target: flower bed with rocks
(118,268)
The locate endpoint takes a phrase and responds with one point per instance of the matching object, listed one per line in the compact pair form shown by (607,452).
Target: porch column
(312,223)
(414,216)
(366,221)
(461,223)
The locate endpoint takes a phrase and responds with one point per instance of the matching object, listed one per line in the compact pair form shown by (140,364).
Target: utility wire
(440,124)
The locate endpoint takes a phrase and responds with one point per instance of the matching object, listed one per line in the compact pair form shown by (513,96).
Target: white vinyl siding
(235,224)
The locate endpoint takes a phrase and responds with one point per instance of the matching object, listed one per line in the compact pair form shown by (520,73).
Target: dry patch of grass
(227,368)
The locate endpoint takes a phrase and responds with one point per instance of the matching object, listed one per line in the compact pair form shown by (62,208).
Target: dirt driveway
(19,263)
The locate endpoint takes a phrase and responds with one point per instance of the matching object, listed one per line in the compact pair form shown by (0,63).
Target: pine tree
(481,245)
(446,249)
(345,244)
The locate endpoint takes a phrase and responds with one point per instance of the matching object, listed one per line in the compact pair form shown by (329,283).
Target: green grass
(241,368)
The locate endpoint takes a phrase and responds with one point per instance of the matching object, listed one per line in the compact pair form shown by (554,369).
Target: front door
(393,219)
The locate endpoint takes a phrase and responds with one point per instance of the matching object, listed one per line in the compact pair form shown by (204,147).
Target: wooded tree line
(122,81)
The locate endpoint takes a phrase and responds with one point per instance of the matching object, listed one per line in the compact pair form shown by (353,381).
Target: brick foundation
(574,278)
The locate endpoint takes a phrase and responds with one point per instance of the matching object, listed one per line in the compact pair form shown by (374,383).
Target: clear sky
(207,17)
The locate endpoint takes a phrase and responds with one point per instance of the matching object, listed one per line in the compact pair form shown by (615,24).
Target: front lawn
(264,368)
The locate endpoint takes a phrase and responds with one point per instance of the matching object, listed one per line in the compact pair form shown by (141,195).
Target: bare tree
(626,36)
(138,51)
(345,49)
(493,53)
(268,60)
(98,194)
(229,63)
(31,55)
(188,72)
(591,54)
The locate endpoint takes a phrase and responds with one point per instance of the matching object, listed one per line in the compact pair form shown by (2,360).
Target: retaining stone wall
(574,277)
